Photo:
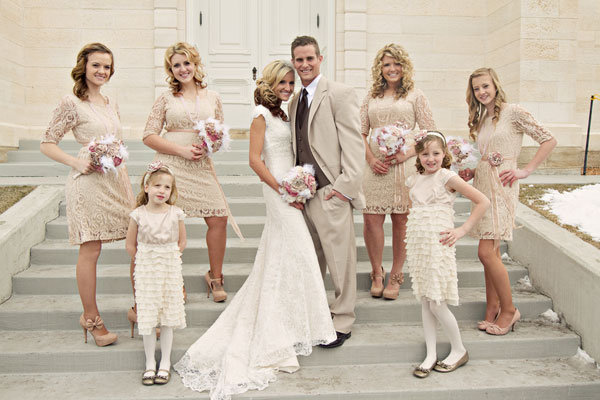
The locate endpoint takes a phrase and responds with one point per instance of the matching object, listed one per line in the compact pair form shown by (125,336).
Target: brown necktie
(302,107)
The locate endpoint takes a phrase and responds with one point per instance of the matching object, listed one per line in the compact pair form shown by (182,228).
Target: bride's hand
(297,205)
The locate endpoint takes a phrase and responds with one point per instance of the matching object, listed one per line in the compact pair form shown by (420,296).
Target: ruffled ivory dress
(431,265)
(157,276)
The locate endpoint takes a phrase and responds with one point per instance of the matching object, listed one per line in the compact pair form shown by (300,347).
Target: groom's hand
(297,205)
(336,194)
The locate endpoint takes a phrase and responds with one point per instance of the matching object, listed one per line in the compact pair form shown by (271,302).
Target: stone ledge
(23,226)
(563,267)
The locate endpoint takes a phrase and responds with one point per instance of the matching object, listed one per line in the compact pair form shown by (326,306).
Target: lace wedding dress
(281,310)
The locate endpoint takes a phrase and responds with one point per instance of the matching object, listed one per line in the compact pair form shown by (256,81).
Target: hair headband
(153,167)
(419,137)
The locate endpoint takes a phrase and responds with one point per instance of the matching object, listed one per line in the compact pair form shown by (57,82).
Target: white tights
(166,344)
(431,313)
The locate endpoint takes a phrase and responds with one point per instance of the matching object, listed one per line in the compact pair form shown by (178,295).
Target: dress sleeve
(261,110)
(135,215)
(179,213)
(64,119)
(423,114)
(524,123)
(219,108)
(157,117)
(446,174)
(365,124)
(410,181)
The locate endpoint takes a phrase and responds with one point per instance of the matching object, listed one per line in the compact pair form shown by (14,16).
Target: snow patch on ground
(550,316)
(579,208)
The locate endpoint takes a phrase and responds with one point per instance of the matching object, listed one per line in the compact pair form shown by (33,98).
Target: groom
(326,133)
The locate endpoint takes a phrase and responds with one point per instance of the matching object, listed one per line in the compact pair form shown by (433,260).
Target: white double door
(237,38)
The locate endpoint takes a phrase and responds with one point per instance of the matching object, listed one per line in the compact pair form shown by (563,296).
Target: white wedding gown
(281,310)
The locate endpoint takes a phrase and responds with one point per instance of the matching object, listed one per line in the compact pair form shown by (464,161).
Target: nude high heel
(216,287)
(93,327)
(375,291)
(483,325)
(392,294)
(496,330)
(132,318)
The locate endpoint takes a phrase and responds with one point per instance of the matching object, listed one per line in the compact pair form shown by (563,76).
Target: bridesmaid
(392,98)
(98,204)
(177,110)
(498,128)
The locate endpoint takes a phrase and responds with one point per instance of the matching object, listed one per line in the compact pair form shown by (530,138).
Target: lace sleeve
(219,108)
(157,117)
(524,123)
(261,110)
(423,114)
(365,124)
(64,119)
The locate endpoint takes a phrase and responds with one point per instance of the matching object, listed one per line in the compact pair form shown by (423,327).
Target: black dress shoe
(341,338)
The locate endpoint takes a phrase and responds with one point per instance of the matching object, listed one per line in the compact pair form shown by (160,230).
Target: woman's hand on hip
(510,176)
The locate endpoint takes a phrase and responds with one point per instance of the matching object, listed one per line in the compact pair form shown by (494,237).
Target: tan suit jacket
(334,137)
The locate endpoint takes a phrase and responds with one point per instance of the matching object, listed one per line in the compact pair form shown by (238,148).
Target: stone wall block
(355,22)
(355,59)
(165,18)
(540,8)
(539,49)
(355,41)
(355,5)
(164,37)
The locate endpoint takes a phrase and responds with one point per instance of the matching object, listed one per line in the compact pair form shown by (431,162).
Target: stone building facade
(547,53)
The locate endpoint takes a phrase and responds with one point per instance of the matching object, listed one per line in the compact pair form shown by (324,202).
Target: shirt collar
(312,87)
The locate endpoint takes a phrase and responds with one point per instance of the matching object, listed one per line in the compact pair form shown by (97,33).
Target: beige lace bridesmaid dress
(506,139)
(388,194)
(200,194)
(98,205)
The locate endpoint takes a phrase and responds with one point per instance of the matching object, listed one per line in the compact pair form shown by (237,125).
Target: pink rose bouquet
(299,184)
(214,135)
(106,155)
(390,139)
(464,154)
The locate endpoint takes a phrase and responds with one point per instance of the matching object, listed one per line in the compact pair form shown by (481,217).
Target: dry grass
(531,197)
(9,195)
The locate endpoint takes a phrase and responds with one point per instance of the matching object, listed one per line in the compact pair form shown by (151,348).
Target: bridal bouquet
(106,155)
(214,136)
(299,184)
(464,154)
(390,139)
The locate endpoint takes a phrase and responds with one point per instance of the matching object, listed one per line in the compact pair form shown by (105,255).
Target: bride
(281,310)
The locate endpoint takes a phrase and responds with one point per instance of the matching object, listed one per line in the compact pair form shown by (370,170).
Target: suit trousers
(331,225)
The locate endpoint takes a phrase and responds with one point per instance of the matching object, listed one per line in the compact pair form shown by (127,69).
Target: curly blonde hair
(264,94)
(193,56)
(399,54)
(142,197)
(80,88)
(422,144)
(475,107)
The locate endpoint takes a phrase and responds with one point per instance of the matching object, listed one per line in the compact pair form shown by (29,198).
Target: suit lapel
(292,111)
(316,101)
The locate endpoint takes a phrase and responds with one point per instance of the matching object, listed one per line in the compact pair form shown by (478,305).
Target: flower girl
(156,237)
(430,239)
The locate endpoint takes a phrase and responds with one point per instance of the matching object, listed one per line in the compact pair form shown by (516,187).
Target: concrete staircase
(43,354)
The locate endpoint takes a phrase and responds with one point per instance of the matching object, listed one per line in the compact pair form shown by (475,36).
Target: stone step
(51,168)
(114,279)
(255,206)
(52,252)
(61,312)
(143,155)
(548,379)
(251,227)
(72,145)
(65,351)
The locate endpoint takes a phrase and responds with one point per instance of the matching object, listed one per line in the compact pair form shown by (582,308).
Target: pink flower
(495,159)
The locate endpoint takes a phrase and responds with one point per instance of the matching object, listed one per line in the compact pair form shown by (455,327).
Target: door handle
(254,70)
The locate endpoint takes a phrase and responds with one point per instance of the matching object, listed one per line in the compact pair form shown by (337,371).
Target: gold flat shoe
(421,372)
(161,379)
(148,379)
(443,367)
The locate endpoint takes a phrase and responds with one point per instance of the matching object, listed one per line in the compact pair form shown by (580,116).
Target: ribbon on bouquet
(399,179)
(497,191)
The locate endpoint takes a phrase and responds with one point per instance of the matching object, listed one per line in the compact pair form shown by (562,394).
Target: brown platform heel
(377,291)
(392,294)
(216,287)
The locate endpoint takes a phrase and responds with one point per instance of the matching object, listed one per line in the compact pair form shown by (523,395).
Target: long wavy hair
(193,56)
(399,54)
(148,177)
(423,143)
(476,109)
(80,88)
(264,94)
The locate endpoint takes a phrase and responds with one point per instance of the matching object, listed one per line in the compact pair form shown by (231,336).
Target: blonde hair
(423,143)
(264,94)
(399,54)
(80,88)
(147,178)
(475,107)
(193,56)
